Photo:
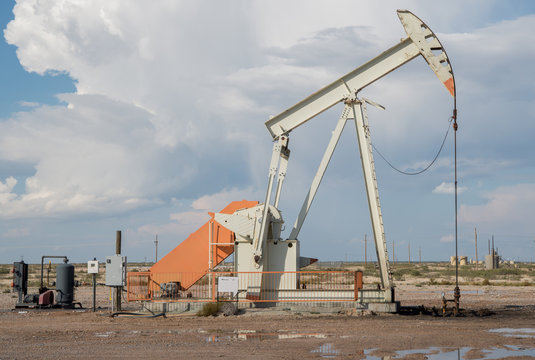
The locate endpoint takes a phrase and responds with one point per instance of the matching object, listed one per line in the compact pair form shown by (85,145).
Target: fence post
(358,283)
(213,287)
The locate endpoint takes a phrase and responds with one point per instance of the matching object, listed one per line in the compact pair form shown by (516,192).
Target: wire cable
(137,314)
(428,166)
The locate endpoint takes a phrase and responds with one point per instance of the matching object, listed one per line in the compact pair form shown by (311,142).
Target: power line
(428,166)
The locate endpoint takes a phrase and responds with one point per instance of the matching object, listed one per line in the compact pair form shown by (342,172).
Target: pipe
(137,314)
(118,243)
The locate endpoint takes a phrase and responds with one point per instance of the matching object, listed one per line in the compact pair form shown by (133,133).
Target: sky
(144,116)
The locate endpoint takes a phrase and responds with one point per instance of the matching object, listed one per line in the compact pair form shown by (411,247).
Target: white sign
(227,284)
(92,267)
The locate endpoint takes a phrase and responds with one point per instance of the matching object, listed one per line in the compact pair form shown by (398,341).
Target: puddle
(516,333)
(327,351)
(508,351)
(435,353)
(254,335)
(134,333)
(105,334)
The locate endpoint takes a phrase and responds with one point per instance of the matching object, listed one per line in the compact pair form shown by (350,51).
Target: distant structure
(492,260)
(463,260)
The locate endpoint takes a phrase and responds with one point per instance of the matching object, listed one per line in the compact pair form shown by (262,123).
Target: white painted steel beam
(319,174)
(258,242)
(372,190)
(285,155)
(340,89)
(420,41)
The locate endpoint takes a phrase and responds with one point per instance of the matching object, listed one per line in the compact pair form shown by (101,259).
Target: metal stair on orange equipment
(190,260)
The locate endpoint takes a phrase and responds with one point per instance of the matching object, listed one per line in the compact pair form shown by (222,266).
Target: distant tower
(156,246)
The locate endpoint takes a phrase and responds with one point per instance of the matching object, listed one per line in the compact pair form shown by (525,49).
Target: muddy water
(329,350)
(435,353)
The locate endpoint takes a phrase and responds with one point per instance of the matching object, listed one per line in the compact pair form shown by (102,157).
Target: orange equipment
(191,258)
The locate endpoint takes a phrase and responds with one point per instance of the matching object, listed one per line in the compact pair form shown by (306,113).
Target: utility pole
(393,251)
(156,246)
(493,254)
(409,253)
(420,255)
(118,289)
(477,262)
(365,249)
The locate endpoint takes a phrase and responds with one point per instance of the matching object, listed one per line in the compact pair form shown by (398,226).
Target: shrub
(209,309)
(415,273)
(397,276)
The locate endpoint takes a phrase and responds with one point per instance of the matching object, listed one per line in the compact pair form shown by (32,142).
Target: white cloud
(8,185)
(152,122)
(171,101)
(185,222)
(217,202)
(189,217)
(447,239)
(510,207)
(96,156)
(30,104)
(448,188)
(16,233)
(6,189)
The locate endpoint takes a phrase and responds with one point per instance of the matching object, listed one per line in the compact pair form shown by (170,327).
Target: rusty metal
(358,283)
(455,310)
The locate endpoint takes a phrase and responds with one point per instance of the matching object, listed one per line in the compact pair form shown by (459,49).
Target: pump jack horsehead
(256,228)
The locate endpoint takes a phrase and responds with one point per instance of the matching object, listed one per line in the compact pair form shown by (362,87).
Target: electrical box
(116,270)
(92,267)
(20,277)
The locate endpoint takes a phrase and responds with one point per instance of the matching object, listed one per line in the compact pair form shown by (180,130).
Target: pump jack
(256,228)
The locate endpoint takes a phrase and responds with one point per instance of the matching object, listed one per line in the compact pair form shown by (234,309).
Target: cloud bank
(171,98)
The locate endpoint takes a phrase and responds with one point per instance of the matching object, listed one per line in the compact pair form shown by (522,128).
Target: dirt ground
(269,334)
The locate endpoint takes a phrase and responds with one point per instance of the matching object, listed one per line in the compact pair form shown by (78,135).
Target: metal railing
(275,286)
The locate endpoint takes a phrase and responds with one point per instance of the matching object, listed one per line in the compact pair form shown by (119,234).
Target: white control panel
(92,267)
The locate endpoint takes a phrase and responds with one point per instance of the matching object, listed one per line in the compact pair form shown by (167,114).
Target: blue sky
(144,118)
(20,85)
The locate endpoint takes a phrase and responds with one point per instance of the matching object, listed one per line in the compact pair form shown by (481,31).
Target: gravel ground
(270,334)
